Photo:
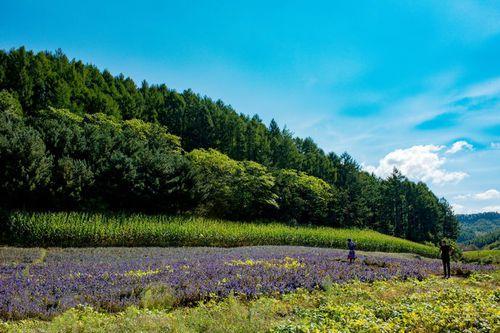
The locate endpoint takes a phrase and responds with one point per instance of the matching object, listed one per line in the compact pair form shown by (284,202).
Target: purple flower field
(39,283)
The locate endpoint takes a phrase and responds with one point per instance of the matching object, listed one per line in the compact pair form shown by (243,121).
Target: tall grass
(86,229)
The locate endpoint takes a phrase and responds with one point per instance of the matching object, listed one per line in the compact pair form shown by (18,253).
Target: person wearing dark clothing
(352,250)
(446,251)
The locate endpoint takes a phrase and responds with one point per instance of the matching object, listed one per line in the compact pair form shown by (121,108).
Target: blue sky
(395,83)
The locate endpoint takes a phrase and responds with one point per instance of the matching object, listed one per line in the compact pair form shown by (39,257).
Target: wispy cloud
(491,209)
(482,196)
(458,146)
(486,88)
(479,102)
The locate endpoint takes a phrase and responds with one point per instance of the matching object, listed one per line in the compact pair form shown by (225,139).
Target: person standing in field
(446,252)
(352,250)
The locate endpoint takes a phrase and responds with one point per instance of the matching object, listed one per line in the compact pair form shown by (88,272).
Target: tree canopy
(75,137)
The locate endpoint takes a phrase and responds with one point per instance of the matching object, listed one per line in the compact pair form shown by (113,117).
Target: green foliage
(158,297)
(479,230)
(25,168)
(482,256)
(154,133)
(305,199)
(75,137)
(74,177)
(228,188)
(215,180)
(432,305)
(489,240)
(412,211)
(64,160)
(83,229)
(9,105)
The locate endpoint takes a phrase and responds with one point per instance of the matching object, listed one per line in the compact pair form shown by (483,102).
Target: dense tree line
(488,241)
(75,137)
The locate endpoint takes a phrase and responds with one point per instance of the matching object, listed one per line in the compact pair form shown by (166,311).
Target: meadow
(151,273)
(111,279)
(430,305)
(76,229)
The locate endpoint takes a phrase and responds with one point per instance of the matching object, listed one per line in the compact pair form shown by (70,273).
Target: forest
(73,137)
(480,230)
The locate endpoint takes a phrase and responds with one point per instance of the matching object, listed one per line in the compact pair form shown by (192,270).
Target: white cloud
(486,195)
(418,163)
(458,146)
(495,145)
(490,195)
(460,209)
(491,209)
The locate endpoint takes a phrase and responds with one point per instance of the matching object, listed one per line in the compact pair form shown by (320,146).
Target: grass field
(82,229)
(482,256)
(431,305)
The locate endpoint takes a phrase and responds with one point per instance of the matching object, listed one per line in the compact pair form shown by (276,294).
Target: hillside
(74,137)
(480,230)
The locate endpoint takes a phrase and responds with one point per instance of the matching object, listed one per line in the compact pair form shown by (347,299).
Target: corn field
(75,229)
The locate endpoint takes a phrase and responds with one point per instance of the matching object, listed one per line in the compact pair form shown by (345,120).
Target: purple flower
(110,279)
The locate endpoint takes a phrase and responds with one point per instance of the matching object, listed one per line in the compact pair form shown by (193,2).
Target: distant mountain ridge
(471,218)
(480,230)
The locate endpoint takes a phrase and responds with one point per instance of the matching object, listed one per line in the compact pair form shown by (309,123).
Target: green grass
(83,229)
(482,256)
(431,305)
